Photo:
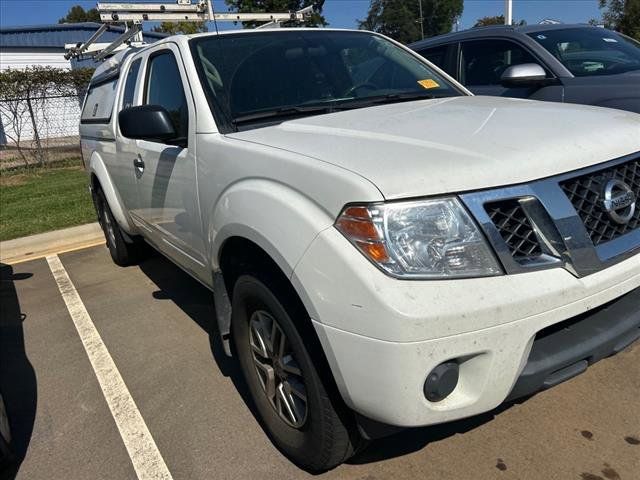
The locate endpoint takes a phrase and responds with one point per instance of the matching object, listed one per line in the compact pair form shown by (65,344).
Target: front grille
(585,193)
(515,228)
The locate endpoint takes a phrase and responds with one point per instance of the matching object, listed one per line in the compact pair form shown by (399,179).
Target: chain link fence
(39,116)
(47,133)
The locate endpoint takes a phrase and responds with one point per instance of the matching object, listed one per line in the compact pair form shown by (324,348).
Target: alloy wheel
(278,371)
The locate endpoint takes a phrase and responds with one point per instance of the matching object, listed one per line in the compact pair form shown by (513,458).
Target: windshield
(250,75)
(591,51)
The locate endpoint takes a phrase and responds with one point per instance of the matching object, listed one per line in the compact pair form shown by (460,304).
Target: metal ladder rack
(179,11)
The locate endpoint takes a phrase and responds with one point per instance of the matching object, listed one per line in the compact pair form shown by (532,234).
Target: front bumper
(382,336)
(566,349)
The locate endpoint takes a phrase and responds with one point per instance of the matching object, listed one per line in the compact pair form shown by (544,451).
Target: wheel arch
(280,219)
(265,216)
(100,178)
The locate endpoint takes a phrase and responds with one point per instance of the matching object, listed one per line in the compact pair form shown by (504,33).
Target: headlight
(419,239)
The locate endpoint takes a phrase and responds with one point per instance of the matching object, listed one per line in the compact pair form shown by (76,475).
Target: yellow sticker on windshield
(428,83)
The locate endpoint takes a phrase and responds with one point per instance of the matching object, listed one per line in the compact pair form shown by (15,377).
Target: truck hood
(457,144)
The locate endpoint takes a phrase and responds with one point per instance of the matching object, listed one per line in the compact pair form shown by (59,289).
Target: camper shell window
(99,103)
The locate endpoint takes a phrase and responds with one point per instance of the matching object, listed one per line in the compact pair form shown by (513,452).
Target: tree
(495,20)
(630,21)
(622,16)
(393,18)
(77,14)
(612,16)
(187,28)
(400,19)
(277,6)
(486,21)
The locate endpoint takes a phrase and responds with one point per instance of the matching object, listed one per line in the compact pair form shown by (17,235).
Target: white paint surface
(19,59)
(145,456)
(456,144)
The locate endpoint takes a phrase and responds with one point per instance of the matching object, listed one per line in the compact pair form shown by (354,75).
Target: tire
(6,457)
(122,252)
(325,435)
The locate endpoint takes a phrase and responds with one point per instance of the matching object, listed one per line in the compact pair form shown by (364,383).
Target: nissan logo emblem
(619,201)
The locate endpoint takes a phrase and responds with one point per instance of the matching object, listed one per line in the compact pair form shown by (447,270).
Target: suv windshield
(591,51)
(254,76)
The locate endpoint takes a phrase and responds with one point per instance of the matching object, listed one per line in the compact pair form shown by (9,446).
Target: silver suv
(385,250)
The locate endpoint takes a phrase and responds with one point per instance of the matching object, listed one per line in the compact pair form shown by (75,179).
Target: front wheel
(313,430)
(6,456)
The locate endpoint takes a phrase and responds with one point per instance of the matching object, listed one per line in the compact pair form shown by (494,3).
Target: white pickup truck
(384,249)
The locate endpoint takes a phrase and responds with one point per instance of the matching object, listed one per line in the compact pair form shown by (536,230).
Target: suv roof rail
(179,11)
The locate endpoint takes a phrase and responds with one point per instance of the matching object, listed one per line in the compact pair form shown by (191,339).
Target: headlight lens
(432,239)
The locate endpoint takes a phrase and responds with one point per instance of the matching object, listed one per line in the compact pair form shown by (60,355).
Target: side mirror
(147,122)
(523,75)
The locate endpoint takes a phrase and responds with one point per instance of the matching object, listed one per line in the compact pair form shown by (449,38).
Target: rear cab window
(130,84)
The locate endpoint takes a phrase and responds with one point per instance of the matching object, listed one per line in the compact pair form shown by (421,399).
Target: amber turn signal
(356,223)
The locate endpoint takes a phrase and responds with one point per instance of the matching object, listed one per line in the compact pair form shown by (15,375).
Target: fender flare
(240,212)
(98,168)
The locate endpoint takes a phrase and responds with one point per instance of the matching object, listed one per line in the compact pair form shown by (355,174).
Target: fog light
(441,381)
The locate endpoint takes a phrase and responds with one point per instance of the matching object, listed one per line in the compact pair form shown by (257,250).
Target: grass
(41,200)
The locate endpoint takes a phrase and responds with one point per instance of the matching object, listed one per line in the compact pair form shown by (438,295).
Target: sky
(339,13)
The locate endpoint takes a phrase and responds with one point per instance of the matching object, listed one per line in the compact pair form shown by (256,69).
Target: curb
(37,246)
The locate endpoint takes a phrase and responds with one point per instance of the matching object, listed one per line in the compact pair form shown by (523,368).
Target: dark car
(560,63)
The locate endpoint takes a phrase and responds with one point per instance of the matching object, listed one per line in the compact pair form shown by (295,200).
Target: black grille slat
(515,228)
(585,194)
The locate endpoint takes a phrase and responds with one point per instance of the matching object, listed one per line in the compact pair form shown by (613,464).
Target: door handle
(138,163)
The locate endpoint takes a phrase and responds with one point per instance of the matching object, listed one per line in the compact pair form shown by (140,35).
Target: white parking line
(145,456)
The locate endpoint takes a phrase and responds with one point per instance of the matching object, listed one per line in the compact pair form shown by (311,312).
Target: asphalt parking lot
(156,324)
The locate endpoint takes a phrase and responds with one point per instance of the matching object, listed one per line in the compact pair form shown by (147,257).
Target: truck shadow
(197,302)
(414,439)
(17,377)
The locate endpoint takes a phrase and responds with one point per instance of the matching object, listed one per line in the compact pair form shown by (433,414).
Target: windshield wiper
(382,99)
(283,112)
(330,107)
